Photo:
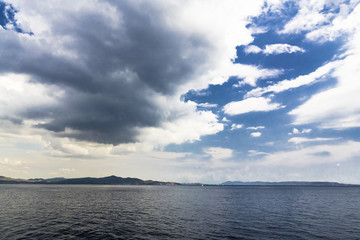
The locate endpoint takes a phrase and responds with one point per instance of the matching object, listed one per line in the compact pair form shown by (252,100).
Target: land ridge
(109,180)
(115,180)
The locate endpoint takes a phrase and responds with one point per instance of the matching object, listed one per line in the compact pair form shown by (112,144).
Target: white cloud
(6,161)
(249,73)
(193,17)
(306,130)
(224,119)
(252,49)
(282,48)
(256,153)
(322,20)
(338,107)
(188,127)
(255,134)
(313,15)
(236,126)
(344,22)
(125,149)
(284,85)
(297,131)
(314,155)
(219,153)
(64,147)
(17,94)
(298,140)
(207,105)
(255,128)
(278,48)
(251,105)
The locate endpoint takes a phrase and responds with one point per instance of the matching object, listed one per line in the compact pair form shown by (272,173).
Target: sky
(188,91)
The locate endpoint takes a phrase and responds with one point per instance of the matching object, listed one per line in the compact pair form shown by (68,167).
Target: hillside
(110,180)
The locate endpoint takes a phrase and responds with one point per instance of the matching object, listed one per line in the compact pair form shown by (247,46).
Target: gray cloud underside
(110,85)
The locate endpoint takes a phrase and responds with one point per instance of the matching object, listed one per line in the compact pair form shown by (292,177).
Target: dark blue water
(158,212)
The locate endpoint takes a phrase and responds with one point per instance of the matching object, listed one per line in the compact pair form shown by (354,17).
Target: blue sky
(194,91)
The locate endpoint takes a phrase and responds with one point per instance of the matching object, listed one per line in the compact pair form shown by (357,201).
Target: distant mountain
(110,180)
(114,180)
(9,180)
(105,180)
(287,183)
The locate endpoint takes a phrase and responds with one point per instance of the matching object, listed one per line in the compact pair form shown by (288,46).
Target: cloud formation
(235,126)
(112,71)
(251,105)
(284,85)
(275,49)
(298,140)
(255,134)
(339,106)
(314,155)
(255,128)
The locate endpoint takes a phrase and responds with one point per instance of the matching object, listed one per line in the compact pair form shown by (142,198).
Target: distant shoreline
(114,180)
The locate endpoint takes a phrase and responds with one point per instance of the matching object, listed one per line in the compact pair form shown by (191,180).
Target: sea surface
(178,212)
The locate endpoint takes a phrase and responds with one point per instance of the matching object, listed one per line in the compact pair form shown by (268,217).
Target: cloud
(298,140)
(255,128)
(65,147)
(251,105)
(306,130)
(207,105)
(252,49)
(219,153)
(297,131)
(17,95)
(255,134)
(324,20)
(314,155)
(256,153)
(323,153)
(284,85)
(7,19)
(189,127)
(274,49)
(101,67)
(337,107)
(309,16)
(125,148)
(66,170)
(236,126)
(249,73)
(224,119)
(6,161)
(282,48)
(344,22)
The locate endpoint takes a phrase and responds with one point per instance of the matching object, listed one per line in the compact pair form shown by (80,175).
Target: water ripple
(159,212)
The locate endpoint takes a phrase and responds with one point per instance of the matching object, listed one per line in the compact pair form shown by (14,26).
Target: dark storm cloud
(111,83)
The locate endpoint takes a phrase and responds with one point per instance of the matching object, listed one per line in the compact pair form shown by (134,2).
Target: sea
(178,212)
